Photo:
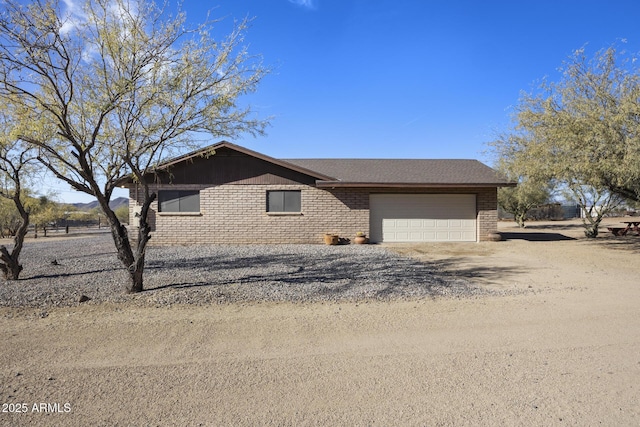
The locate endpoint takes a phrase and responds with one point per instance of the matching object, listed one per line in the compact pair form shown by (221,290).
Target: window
(283,201)
(179,201)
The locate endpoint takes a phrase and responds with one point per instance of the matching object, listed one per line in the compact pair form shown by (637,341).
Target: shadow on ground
(334,275)
(554,226)
(489,274)
(621,243)
(535,236)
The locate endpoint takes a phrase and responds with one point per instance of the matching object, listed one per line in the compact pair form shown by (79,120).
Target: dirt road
(566,351)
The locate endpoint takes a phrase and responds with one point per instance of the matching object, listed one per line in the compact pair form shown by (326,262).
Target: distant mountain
(114,204)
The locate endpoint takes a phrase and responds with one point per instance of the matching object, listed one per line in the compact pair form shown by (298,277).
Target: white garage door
(423,217)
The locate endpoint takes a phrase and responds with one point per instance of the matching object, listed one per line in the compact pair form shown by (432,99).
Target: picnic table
(622,231)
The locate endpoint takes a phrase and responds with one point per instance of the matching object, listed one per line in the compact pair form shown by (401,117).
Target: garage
(423,217)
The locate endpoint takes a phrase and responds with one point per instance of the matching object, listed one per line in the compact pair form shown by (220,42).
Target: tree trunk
(132,261)
(10,265)
(591,226)
(591,231)
(144,235)
(520,219)
(135,277)
(125,255)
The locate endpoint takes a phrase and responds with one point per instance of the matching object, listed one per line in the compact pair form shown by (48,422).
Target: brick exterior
(232,213)
(487,208)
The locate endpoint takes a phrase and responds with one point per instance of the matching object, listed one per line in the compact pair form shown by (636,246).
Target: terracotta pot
(331,239)
(360,240)
(494,237)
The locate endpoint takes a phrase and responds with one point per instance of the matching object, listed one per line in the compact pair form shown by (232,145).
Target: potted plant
(331,239)
(361,238)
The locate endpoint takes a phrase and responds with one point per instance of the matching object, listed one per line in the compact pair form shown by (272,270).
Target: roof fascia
(341,184)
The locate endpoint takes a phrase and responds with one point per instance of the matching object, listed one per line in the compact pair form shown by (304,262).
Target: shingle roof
(443,172)
(370,172)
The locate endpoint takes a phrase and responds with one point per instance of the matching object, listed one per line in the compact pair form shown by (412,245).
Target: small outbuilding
(226,193)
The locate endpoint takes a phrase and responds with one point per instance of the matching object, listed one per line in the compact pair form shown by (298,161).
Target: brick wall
(237,214)
(487,205)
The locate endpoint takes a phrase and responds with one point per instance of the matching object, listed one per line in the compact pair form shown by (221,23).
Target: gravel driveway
(219,274)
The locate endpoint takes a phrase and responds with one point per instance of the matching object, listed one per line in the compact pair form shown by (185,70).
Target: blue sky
(401,78)
(404,79)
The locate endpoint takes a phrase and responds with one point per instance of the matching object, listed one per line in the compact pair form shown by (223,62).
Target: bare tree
(112,89)
(16,162)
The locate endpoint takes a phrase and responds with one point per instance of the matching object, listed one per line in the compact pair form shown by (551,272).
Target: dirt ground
(563,349)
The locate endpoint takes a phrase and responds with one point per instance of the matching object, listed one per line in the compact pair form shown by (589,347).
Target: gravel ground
(222,274)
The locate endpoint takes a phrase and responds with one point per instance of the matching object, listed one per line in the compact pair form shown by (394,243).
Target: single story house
(225,193)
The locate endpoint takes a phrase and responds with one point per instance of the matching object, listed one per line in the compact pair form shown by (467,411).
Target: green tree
(114,90)
(520,200)
(9,218)
(529,192)
(584,130)
(122,212)
(74,214)
(44,212)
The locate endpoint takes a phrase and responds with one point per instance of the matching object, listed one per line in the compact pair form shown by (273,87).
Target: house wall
(237,214)
(487,205)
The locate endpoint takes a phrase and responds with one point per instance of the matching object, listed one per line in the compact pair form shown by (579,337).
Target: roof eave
(342,184)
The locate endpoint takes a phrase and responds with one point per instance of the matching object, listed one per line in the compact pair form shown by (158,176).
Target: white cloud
(73,16)
(122,11)
(309,4)
(71,5)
